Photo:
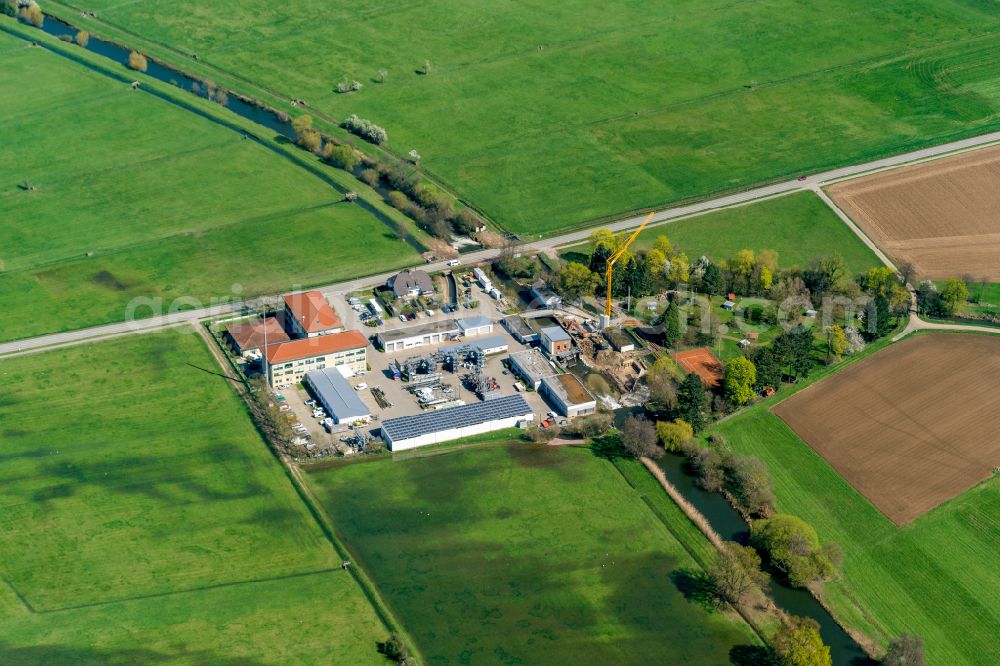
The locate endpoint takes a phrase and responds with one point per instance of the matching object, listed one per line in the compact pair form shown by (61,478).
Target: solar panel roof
(406,427)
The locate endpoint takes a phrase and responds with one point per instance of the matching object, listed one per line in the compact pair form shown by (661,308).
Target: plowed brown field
(910,427)
(943,216)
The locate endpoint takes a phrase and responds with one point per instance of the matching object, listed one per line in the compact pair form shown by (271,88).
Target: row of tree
(431,208)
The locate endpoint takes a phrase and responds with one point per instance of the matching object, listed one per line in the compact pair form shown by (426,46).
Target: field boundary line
(294,475)
(845,218)
(20,597)
(312,504)
(158,595)
(367,585)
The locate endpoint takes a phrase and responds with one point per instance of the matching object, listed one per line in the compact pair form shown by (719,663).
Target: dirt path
(917,324)
(853,227)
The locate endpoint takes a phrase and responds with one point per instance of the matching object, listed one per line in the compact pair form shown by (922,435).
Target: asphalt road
(665,216)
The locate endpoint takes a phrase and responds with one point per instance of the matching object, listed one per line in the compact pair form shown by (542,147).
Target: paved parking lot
(404,403)
(295,397)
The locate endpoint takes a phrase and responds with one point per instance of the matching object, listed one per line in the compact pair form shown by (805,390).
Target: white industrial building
(531,366)
(332,390)
(408,432)
(568,395)
(433,333)
(477,325)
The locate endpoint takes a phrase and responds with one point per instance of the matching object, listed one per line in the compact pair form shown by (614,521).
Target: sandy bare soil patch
(942,216)
(910,427)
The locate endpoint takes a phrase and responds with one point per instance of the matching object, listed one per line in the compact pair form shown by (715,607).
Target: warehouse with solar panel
(409,432)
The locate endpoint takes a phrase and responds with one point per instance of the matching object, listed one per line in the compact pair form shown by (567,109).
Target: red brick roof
(250,335)
(309,347)
(311,310)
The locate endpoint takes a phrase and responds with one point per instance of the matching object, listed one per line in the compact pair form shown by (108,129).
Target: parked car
(455,262)
(429,313)
(311,402)
(361,387)
(402,317)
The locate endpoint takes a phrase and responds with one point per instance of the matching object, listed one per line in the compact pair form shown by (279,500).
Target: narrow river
(730,525)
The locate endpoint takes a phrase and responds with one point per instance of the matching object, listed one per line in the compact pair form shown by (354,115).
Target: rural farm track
(665,216)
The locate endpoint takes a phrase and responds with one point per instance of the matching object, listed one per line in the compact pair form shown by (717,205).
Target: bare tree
(907,650)
(906,272)
(639,437)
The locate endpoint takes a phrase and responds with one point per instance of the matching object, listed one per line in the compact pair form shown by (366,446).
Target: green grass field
(169,204)
(935,577)
(989,299)
(549,115)
(798,227)
(523,554)
(143,520)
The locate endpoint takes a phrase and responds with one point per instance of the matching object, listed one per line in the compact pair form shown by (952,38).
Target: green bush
(793,548)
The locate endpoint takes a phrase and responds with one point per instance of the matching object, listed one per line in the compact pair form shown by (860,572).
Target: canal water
(259,115)
(731,526)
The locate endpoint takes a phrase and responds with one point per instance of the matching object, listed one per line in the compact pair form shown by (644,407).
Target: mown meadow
(111,193)
(518,553)
(546,116)
(143,520)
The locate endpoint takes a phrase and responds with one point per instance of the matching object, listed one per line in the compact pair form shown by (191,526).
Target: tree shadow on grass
(608,446)
(214,372)
(751,655)
(59,655)
(696,587)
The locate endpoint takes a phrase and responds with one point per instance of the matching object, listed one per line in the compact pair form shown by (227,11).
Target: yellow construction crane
(616,256)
